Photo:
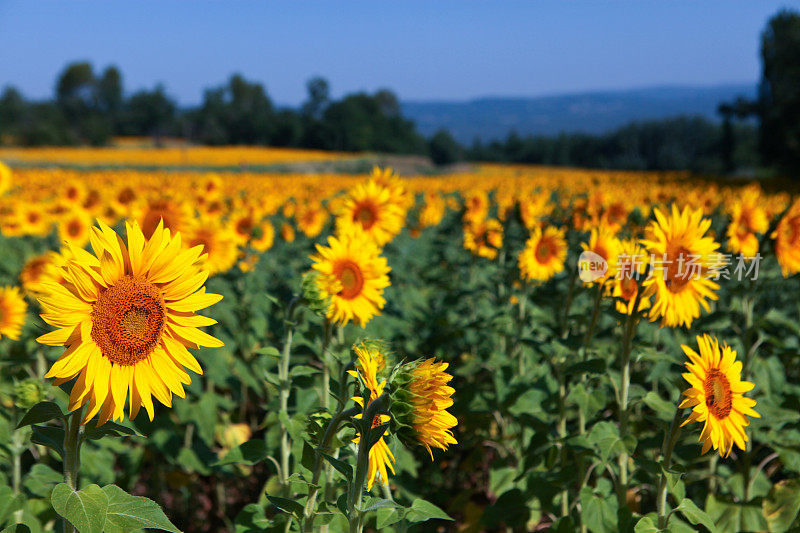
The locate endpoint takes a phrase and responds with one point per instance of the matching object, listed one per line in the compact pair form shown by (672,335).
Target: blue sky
(437,49)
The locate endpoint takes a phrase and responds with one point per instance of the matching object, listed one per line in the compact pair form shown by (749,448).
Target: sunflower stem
(666,460)
(286,387)
(326,364)
(625,381)
(72,454)
(330,431)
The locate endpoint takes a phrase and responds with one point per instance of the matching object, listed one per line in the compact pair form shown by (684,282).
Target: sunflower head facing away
(679,273)
(126,315)
(353,275)
(12,312)
(368,363)
(544,254)
(420,403)
(716,396)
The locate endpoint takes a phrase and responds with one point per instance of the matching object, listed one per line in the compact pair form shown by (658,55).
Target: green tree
(444,149)
(779,92)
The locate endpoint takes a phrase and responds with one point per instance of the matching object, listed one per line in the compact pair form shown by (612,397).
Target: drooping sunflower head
(680,279)
(716,396)
(353,275)
(544,254)
(420,402)
(369,208)
(12,312)
(368,362)
(787,241)
(484,238)
(126,315)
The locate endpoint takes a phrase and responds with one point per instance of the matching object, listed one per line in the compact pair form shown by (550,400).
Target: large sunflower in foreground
(370,362)
(12,312)
(544,254)
(787,241)
(127,316)
(370,209)
(679,273)
(716,396)
(353,275)
(421,402)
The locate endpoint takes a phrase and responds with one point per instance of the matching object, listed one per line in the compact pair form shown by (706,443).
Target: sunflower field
(189,342)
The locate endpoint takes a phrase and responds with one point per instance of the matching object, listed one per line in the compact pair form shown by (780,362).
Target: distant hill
(592,112)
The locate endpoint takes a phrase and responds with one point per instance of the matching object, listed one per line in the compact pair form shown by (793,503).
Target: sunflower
(287,232)
(679,275)
(787,241)
(33,220)
(42,269)
(126,316)
(747,219)
(172,214)
(624,286)
(243,220)
(484,238)
(421,401)
(370,209)
(380,456)
(217,241)
(604,243)
(544,254)
(12,312)
(716,396)
(311,218)
(5,178)
(74,227)
(432,211)
(267,238)
(353,276)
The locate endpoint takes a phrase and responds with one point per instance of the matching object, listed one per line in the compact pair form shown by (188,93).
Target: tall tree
(779,92)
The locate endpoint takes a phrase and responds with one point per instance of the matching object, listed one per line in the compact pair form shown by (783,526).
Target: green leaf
(41,479)
(598,512)
(303,370)
(422,510)
(386,517)
(645,525)
(49,436)
(17,528)
(695,515)
(663,409)
(108,429)
(591,366)
(344,468)
(127,513)
(286,505)
(84,509)
(40,413)
(9,503)
(248,453)
(269,351)
(375,504)
(782,505)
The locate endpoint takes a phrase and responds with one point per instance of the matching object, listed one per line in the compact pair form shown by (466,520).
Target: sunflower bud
(316,300)
(232,435)
(28,393)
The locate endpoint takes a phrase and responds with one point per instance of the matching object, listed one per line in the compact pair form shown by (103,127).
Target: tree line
(91,107)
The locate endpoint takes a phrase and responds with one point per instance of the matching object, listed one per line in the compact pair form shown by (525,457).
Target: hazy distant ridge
(592,112)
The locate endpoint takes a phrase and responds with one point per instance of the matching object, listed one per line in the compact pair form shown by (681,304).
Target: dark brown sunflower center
(717,389)
(126,196)
(544,250)
(127,320)
(365,214)
(349,275)
(679,272)
(628,286)
(74,228)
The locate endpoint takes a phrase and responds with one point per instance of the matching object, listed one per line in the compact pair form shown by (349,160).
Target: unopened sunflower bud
(232,435)
(28,393)
(316,300)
